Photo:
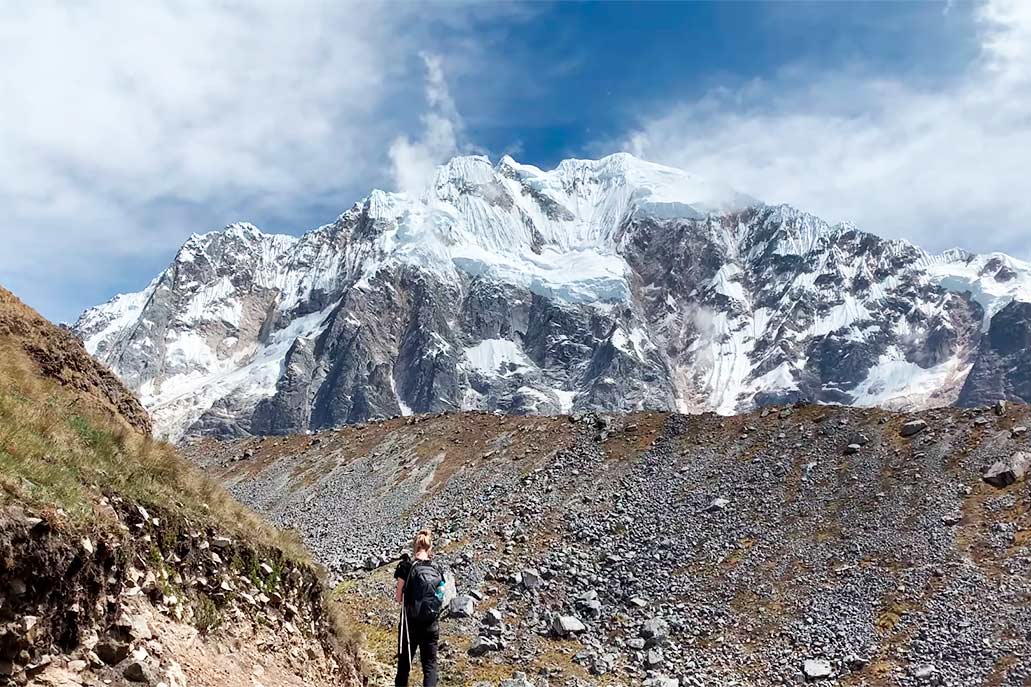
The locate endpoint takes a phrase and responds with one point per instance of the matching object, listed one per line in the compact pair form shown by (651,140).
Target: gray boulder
(462,606)
(565,625)
(1005,472)
(717,504)
(482,645)
(517,680)
(531,578)
(661,681)
(111,651)
(912,428)
(817,669)
(140,671)
(655,631)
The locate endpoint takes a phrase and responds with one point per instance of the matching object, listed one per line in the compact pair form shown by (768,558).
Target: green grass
(57,452)
(60,450)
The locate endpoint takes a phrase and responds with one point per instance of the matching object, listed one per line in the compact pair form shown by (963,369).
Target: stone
(717,504)
(462,606)
(912,428)
(1005,472)
(517,680)
(859,439)
(481,645)
(139,671)
(654,659)
(924,671)
(135,625)
(590,607)
(817,669)
(174,676)
(111,651)
(492,618)
(661,681)
(655,631)
(565,625)
(856,662)
(852,449)
(531,578)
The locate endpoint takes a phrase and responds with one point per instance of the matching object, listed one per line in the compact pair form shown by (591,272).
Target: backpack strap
(408,579)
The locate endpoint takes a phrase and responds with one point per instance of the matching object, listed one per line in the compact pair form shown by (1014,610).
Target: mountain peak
(612,284)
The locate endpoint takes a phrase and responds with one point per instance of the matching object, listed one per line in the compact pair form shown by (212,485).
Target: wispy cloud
(414,162)
(942,165)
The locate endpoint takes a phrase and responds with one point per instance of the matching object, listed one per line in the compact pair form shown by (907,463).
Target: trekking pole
(406,636)
(400,630)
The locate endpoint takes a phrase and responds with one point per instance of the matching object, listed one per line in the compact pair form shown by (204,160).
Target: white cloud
(125,126)
(414,162)
(943,166)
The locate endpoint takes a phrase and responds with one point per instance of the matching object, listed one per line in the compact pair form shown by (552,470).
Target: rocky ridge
(610,285)
(796,544)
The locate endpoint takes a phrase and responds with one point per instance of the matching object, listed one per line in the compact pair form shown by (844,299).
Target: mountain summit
(613,284)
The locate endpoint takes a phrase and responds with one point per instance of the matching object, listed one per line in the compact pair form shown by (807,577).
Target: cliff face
(1002,368)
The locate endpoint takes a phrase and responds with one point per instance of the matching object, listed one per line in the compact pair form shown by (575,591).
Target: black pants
(425,640)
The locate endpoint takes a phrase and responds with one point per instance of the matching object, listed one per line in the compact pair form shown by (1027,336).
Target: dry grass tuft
(58,449)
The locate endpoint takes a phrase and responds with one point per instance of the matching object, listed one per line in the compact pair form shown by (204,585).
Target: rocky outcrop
(85,607)
(1002,368)
(609,284)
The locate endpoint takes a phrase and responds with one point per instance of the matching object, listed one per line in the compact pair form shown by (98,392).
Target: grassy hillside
(98,516)
(65,440)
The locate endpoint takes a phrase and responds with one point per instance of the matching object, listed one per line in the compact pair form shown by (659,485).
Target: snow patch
(497,358)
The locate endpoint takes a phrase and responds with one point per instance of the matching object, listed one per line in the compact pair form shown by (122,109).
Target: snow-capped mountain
(616,284)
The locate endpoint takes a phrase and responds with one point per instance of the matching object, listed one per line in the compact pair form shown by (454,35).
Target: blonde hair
(423,541)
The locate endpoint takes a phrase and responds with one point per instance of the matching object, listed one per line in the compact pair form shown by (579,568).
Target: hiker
(420,591)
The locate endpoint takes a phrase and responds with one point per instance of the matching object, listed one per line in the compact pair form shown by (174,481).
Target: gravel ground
(796,544)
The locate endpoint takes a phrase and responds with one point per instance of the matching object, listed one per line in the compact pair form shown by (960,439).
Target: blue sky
(131,127)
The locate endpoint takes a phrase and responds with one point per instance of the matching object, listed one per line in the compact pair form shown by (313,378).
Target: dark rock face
(1002,368)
